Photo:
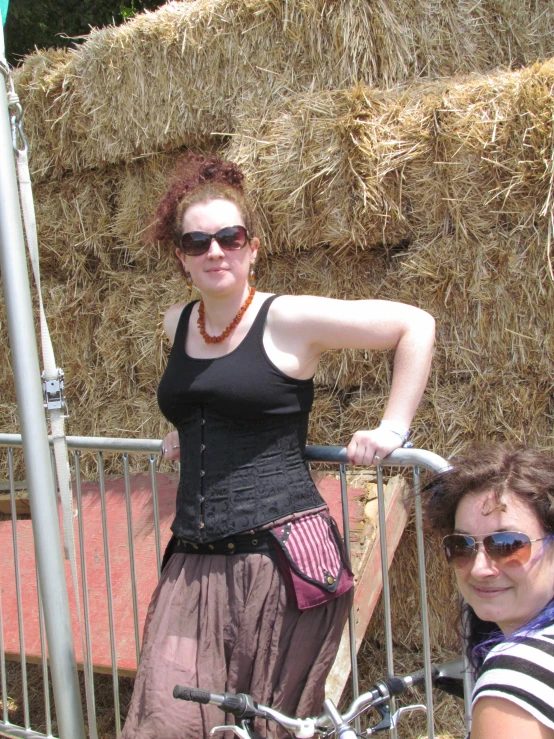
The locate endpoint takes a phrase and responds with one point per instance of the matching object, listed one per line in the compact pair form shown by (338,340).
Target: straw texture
(179,75)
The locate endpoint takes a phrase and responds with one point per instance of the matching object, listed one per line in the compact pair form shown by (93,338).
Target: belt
(258,543)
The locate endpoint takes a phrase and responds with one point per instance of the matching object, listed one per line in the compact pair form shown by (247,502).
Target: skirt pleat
(224,623)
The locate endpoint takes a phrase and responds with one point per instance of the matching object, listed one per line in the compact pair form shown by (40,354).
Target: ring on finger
(376,458)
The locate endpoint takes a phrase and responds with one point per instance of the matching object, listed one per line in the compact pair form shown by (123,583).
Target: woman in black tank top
(238,387)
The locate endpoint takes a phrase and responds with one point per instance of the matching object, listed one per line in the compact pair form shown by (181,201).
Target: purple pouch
(312,560)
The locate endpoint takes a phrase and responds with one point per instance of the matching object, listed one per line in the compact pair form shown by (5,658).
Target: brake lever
(243,733)
(406,709)
(235,729)
(385,723)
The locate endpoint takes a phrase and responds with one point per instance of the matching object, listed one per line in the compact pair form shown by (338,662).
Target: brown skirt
(224,623)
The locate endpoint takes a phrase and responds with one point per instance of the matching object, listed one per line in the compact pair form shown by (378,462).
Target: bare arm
(321,324)
(497,717)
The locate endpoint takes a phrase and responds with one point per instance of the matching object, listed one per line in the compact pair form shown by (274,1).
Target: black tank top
(242,426)
(242,384)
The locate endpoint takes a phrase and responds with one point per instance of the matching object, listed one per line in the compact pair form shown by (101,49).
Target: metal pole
(42,498)
(389,649)
(351,615)
(424,607)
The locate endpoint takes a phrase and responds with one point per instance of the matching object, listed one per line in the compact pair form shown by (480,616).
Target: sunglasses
(510,548)
(195,243)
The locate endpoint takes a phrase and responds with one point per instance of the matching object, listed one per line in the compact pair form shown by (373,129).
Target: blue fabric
(4,9)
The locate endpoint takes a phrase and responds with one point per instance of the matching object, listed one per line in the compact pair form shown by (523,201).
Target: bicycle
(331,723)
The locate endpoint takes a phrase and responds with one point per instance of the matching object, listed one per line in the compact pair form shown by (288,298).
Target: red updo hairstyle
(200,178)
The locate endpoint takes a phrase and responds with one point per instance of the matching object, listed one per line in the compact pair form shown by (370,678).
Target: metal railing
(413,458)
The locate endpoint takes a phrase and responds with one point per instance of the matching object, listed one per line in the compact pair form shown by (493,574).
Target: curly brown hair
(499,468)
(200,178)
(527,473)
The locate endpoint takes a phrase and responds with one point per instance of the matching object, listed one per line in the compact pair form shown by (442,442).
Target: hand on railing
(371,447)
(170,446)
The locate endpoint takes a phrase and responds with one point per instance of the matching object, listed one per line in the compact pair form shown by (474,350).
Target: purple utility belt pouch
(312,560)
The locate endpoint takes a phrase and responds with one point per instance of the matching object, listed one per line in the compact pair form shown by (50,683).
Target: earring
(252,275)
(188,279)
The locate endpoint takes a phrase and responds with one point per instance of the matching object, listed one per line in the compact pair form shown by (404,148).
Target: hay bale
(432,152)
(140,186)
(129,342)
(367,169)
(302,161)
(39,81)
(176,76)
(74,223)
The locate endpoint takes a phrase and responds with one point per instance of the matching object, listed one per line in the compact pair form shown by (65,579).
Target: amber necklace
(235,322)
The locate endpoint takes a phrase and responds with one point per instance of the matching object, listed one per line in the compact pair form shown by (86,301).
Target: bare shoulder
(307,307)
(171,319)
(301,307)
(501,717)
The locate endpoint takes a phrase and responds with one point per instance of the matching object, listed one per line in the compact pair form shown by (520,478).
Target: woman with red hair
(255,589)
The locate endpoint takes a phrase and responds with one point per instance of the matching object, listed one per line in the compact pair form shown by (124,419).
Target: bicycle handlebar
(243,706)
(191,694)
(383,690)
(240,704)
(397,685)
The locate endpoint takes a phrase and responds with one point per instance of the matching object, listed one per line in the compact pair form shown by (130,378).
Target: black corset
(237,475)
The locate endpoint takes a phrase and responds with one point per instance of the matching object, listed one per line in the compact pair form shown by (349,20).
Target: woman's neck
(219,310)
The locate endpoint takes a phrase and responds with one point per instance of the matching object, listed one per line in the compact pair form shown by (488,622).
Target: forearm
(412,363)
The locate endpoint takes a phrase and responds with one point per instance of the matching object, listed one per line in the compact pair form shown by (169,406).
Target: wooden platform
(365,550)
(366,564)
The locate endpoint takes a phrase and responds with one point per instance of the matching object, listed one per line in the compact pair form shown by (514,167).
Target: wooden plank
(145,561)
(22,506)
(366,561)
(145,565)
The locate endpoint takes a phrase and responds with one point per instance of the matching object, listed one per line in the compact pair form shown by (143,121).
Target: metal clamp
(54,392)
(4,68)
(19,141)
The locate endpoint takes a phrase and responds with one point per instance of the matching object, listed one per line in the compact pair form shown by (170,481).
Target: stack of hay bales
(398,150)
(174,77)
(437,194)
(434,192)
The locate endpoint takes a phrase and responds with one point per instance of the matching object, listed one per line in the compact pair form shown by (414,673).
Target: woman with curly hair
(495,508)
(255,589)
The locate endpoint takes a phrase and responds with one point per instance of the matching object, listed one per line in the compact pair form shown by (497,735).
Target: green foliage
(56,23)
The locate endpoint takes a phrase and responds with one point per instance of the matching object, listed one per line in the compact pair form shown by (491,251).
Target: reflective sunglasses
(195,243)
(510,548)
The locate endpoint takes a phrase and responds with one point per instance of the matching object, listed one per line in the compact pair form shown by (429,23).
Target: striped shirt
(522,673)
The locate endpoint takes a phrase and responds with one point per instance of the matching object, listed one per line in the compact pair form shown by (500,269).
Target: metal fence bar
(332,454)
(18,594)
(385,581)
(156,509)
(131,552)
(109,594)
(3,676)
(7,729)
(351,615)
(91,705)
(424,608)
(336,455)
(44,662)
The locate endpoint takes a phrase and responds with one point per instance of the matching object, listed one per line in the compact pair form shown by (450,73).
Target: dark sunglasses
(195,243)
(510,548)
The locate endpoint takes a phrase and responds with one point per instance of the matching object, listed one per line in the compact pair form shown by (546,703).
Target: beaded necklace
(235,322)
